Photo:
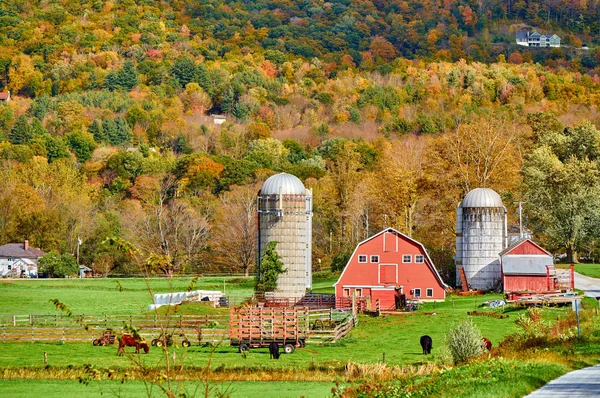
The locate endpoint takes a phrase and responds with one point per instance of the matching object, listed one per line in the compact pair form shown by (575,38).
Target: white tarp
(178,297)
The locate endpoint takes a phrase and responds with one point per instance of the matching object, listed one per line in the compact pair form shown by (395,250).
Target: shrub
(464,341)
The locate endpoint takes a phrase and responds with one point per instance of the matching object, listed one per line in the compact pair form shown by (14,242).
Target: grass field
(591,270)
(310,371)
(73,388)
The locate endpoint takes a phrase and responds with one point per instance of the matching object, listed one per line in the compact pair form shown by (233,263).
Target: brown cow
(127,340)
(487,344)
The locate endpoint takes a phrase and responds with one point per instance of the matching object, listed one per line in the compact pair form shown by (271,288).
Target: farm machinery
(108,337)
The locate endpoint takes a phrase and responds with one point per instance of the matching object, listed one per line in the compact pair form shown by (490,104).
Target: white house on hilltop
(18,259)
(534,39)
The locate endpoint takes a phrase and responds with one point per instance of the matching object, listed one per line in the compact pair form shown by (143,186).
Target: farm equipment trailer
(259,327)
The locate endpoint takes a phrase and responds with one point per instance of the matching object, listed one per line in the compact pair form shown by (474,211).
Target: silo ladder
(463,279)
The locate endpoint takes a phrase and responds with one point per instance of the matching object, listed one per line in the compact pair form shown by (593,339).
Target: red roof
(4,95)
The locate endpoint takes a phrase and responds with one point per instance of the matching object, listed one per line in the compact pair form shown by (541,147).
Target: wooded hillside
(391,111)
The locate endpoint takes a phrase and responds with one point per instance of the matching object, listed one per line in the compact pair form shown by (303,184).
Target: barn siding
(386,299)
(525,283)
(527,247)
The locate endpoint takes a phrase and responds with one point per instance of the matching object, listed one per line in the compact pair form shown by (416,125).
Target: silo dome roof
(289,184)
(482,197)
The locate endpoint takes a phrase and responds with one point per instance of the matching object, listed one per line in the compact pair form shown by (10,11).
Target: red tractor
(107,338)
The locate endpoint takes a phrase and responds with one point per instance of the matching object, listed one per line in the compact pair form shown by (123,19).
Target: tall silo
(480,236)
(285,216)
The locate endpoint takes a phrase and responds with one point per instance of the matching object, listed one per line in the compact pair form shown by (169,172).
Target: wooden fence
(319,326)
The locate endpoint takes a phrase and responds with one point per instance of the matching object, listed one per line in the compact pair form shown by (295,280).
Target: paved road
(591,286)
(580,383)
(583,382)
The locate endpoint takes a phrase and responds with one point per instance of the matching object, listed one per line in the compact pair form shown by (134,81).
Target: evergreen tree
(124,133)
(127,77)
(21,133)
(97,131)
(270,268)
(184,70)
(111,81)
(109,128)
(228,100)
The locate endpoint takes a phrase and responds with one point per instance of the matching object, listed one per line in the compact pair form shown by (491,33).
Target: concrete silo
(285,216)
(480,236)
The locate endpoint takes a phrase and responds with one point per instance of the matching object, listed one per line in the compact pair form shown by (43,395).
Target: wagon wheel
(96,342)
(289,348)
(244,347)
(302,343)
(153,342)
(159,343)
(185,343)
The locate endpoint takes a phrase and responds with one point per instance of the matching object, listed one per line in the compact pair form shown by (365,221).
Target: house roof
(4,95)
(525,265)
(519,243)
(522,35)
(429,262)
(17,250)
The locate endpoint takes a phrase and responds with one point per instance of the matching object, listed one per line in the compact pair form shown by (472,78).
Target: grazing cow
(274,350)
(426,344)
(127,340)
(487,344)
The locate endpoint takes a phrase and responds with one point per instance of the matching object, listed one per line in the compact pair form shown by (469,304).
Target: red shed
(527,267)
(390,264)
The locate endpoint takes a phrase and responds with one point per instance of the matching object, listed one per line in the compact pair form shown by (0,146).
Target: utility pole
(78,244)
(521,219)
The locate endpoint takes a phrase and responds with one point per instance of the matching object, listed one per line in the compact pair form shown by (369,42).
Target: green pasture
(591,270)
(119,295)
(317,366)
(396,336)
(235,389)
(104,295)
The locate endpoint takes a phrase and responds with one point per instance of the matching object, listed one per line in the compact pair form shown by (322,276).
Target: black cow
(426,344)
(274,350)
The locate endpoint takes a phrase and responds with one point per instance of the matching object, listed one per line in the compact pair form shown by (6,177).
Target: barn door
(388,273)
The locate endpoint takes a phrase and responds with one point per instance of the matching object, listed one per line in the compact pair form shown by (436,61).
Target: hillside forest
(390,111)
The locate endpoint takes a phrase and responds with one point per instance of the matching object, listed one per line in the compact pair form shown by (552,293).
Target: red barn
(526,267)
(390,264)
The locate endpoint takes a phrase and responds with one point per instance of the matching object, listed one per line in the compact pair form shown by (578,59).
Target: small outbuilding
(527,267)
(389,267)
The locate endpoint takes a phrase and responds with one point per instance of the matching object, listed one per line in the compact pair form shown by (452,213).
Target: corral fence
(318,325)
(78,328)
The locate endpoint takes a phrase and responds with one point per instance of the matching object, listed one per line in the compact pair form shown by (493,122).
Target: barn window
(417,292)
(358,292)
(362,258)
(429,292)
(407,258)
(346,292)
(374,258)
(419,258)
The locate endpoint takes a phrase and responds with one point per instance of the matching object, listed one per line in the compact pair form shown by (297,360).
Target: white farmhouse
(18,259)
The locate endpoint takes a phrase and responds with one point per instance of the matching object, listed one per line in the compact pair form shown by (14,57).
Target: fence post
(378,308)
(14,320)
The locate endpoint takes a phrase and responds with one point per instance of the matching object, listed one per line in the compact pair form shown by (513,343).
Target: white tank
(480,236)
(285,216)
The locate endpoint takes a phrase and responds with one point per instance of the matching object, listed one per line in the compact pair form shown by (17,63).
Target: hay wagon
(259,327)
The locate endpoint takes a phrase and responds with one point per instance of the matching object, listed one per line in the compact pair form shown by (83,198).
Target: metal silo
(480,235)
(285,216)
